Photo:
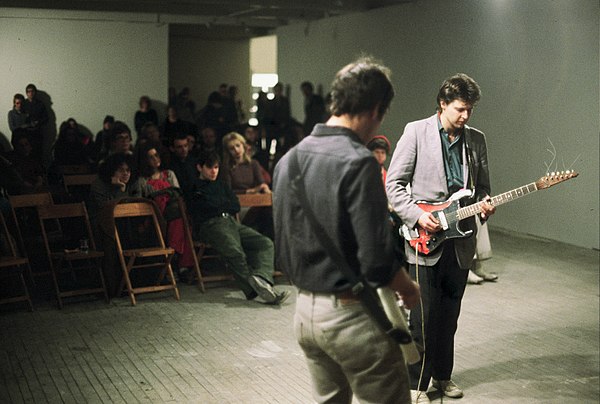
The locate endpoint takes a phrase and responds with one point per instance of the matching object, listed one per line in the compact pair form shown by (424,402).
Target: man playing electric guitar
(434,158)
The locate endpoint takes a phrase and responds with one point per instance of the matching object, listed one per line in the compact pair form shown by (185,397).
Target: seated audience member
(245,175)
(241,173)
(155,179)
(256,146)
(173,126)
(17,118)
(380,147)
(212,115)
(249,254)
(209,142)
(186,107)
(150,134)
(182,164)
(144,114)
(69,148)
(30,169)
(100,146)
(119,140)
(11,183)
(115,180)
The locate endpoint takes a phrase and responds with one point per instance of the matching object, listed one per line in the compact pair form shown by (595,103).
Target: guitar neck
(497,200)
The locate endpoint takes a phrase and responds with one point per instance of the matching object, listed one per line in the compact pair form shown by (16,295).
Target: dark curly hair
(459,87)
(109,167)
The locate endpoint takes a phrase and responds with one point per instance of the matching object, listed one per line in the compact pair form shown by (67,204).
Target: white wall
(537,64)
(202,65)
(90,64)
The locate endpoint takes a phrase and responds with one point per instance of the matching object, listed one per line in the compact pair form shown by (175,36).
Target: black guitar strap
(360,287)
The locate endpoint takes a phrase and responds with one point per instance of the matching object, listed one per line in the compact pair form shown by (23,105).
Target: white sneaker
(419,397)
(473,278)
(263,288)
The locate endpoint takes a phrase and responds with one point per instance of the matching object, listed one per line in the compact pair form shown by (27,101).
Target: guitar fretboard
(497,200)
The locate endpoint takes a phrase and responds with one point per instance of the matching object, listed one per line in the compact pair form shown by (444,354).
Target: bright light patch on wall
(264,80)
(253,122)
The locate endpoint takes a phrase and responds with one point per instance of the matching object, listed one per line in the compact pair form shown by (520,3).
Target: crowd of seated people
(165,157)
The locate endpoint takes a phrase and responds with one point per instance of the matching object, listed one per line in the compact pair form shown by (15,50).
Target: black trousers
(442,289)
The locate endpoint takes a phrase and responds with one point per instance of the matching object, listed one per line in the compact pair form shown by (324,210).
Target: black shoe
(281,297)
(251,296)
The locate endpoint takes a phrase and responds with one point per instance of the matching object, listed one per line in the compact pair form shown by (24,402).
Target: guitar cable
(422,323)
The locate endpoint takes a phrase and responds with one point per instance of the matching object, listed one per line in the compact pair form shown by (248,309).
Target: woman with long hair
(164,188)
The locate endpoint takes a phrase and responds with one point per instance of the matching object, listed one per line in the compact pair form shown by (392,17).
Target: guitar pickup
(442,217)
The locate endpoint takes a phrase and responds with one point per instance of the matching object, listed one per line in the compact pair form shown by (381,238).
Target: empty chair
(73,252)
(142,257)
(27,230)
(11,265)
(77,186)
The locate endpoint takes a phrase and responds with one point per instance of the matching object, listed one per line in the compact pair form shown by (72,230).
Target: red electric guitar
(449,213)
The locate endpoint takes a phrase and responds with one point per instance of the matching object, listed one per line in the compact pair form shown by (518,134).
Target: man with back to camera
(346,350)
(437,157)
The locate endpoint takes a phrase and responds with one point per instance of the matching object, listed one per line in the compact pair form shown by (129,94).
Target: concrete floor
(532,337)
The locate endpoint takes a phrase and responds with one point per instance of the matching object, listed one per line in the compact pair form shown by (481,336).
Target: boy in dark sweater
(249,254)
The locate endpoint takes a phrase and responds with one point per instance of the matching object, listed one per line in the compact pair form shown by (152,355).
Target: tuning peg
(552,173)
(568,172)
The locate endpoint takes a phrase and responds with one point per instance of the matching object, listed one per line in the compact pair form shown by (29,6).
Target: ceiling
(217,19)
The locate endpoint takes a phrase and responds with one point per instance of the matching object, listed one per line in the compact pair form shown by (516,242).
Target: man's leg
(329,384)
(345,339)
(424,320)
(453,283)
(223,235)
(259,252)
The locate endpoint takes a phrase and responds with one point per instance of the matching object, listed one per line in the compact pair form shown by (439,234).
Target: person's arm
(260,184)
(399,176)
(172,179)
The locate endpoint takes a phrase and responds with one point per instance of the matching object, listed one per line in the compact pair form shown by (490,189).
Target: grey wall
(202,65)
(537,64)
(90,64)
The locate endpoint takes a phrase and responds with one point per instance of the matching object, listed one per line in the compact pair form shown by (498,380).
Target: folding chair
(11,264)
(75,169)
(195,246)
(137,258)
(75,252)
(27,231)
(77,186)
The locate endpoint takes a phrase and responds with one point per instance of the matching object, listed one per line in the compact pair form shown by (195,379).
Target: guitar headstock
(554,178)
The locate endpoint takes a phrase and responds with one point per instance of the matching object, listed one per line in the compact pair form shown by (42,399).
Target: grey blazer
(416,173)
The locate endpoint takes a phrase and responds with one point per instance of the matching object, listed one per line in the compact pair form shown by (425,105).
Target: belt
(346,297)
(343,297)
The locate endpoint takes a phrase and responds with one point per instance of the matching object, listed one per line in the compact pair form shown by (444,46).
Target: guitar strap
(467,158)
(360,287)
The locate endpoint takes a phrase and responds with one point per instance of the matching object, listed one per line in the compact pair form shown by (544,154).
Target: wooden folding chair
(27,231)
(68,254)
(195,246)
(75,169)
(77,186)
(11,264)
(129,256)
